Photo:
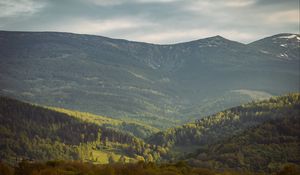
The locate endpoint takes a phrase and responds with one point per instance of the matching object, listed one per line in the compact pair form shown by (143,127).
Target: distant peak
(211,39)
(218,36)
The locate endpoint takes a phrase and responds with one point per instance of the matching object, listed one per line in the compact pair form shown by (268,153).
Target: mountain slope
(154,84)
(258,136)
(137,129)
(81,72)
(39,134)
(266,147)
(283,46)
(225,124)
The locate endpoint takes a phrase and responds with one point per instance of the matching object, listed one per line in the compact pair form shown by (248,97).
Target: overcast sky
(154,21)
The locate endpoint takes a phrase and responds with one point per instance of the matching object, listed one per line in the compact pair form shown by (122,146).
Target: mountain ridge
(143,42)
(148,83)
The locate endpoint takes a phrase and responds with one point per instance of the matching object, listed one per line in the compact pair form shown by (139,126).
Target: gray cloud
(158,21)
(19,7)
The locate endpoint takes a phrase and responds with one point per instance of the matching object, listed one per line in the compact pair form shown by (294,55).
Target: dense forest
(132,127)
(256,137)
(37,133)
(264,148)
(230,122)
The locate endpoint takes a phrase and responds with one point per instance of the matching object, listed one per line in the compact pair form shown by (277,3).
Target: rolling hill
(160,85)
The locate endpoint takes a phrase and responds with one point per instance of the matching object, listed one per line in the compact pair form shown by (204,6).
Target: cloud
(15,8)
(171,36)
(208,6)
(290,16)
(119,2)
(186,35)
(155,1)
(104,2)
(88,26)
(157,21)
(239,3)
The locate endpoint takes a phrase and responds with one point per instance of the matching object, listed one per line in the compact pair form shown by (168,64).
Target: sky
(154,21)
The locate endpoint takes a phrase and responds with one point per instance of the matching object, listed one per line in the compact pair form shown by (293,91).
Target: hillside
(266,148)
(265,131)
(137,129)
(160,85)
(242,130)
(229,122)
(36,133)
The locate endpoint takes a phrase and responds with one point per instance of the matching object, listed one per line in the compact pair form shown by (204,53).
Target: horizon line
(145,42)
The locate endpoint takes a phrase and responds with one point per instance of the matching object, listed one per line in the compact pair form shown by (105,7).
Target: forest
(258,137)
(36,133)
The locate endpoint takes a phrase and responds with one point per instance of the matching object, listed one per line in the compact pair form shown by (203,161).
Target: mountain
(147,83)
(282,46)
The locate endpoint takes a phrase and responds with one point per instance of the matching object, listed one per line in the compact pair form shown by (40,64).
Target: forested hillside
(229,122)
(137,129)
(256,137)
(213,133)
(36,133)
(266,148)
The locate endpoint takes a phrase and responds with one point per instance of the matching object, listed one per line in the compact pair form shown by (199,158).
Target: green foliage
(258,136)
(35,133)
(136,128)
(227,123)
(266,147)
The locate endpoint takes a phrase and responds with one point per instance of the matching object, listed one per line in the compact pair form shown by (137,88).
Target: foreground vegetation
(140,168)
